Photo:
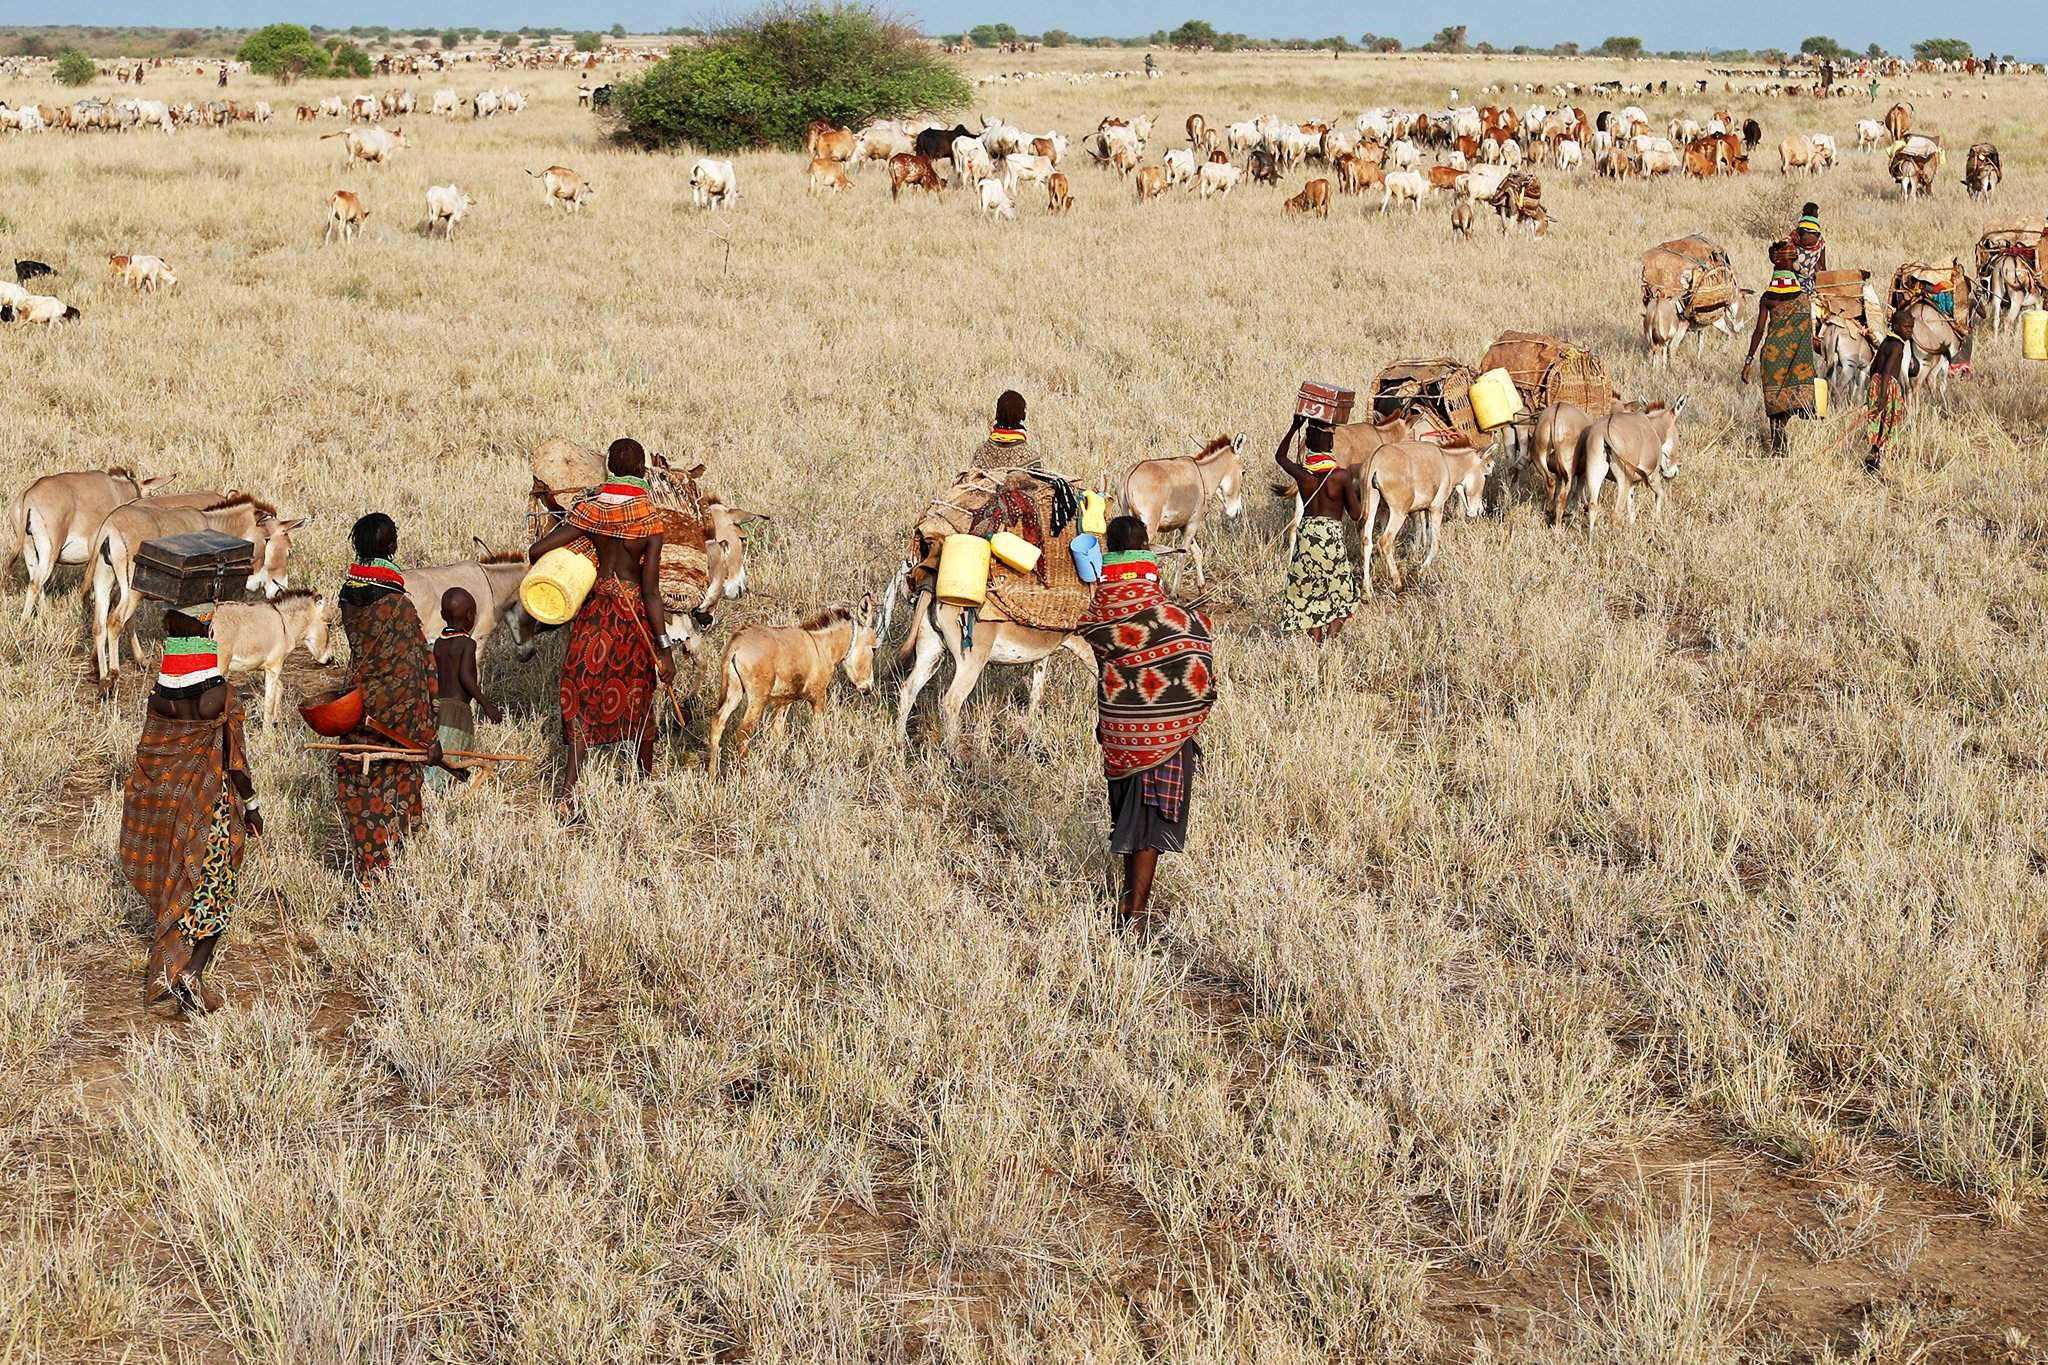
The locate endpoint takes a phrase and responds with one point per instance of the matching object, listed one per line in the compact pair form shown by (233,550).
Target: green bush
(451,39)
(761,80)
(75,68)
(588,42)
(352,61)
(284,52)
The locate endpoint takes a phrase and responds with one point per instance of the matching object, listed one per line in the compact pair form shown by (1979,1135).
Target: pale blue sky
(2020,28)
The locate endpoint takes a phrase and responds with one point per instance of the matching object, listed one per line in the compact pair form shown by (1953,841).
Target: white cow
(148,272)
(1180,166)
(1410,187)
(447,103)
(1217,178)
(1870,134)
(446,206)
(713,185)
(1568,155)
(971,161)
(995,200)
(41,309)
(154,114)
(1401,154)
(485,104)
(1026,167)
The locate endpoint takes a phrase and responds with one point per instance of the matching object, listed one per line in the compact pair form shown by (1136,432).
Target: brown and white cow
(564,187)
(1314,198)
(345,214)
(908,168)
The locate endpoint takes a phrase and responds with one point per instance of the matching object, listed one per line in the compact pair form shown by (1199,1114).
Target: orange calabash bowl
(335,716)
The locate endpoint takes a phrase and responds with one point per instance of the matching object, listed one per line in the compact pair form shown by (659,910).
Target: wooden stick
(655,657)
(414,753)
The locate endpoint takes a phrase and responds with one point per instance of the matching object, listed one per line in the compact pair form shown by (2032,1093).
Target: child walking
(455,661)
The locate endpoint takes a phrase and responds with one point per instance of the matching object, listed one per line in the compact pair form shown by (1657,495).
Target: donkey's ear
(1679,406)
(481,548)
(867,607)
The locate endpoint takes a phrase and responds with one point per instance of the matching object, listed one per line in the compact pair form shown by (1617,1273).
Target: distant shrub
(588,42)
(75,68)
(352,61)
(451,39)
(758,82)
(284,52)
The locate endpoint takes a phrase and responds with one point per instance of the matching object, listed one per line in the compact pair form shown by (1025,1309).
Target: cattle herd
(1486,155)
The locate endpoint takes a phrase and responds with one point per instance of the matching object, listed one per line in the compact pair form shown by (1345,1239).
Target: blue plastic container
(1087,551)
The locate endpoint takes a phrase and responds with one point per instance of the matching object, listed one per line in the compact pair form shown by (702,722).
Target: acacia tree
(284,52)
(1449,38)
(1942,49)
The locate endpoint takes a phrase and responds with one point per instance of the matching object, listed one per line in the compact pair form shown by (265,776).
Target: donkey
(1419,477)
(1935,346)
(778,666)
(2011,287)
(1172,494)
(1664,327)
(129,525)
(1844,354)
(492,579)
(936,632)
(262,635)
(53,519)
(1636,448)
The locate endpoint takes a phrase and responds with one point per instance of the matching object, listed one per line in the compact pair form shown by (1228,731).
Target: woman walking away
(187,814)
(1158,681)
(1887,399)
(390,662)
(1784,332)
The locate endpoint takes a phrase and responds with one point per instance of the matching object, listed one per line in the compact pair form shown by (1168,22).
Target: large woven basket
(1058,602)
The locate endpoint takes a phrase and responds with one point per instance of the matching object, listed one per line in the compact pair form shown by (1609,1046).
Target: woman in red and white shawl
(1158,683)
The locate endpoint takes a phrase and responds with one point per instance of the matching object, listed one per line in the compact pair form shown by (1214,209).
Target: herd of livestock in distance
(1476,155)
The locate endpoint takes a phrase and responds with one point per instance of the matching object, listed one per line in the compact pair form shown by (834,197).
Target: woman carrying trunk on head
(1784,336)
(187,815)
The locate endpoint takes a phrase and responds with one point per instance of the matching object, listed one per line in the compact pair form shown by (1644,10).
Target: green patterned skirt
(1321,585)
(1785,361)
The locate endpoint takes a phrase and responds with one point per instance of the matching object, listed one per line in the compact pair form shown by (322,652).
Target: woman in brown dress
(389,660)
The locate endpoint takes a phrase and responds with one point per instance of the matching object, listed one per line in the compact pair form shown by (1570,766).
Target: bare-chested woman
(1322,590)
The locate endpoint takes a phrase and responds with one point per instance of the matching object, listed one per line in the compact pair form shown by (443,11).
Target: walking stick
(666,686)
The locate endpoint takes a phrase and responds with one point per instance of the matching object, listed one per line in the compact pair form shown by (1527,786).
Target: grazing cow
(1409,187)
(1869,135)
(1151,183)
(1173,494)
(147,272)
(1801,152)
(262,635)
(485,104)
(832,144)
(1263,168)
(562,186)
(1444,177)
(1198,128)
(995,200)
(1418,478)
(371,146)
(971,161)
(778,666)
(446,206)
(1180,166)
(881,141)
(41,309)
(1314,198)
(1218,179)
(447,103)
(828,174)
(906,168)
(1752,133)
(1025,167)
(1702,158)
(362,109)
(1636,448)
(112,554)
(1058,197)
(53,519)
(713,184)
(1566,154)
(345,214)
(306,113)
(936,144)
(1898,121)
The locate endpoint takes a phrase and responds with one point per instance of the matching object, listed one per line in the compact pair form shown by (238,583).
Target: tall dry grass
(1725,823)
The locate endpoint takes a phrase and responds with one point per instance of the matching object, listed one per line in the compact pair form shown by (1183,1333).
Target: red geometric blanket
(1158,674)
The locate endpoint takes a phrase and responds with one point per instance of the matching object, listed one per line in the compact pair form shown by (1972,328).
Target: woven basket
(1056,604)
(1578,377)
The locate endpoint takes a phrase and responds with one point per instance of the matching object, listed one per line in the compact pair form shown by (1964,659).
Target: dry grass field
(1627,950)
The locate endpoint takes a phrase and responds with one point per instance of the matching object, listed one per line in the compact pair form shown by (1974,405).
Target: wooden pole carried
(654,656)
